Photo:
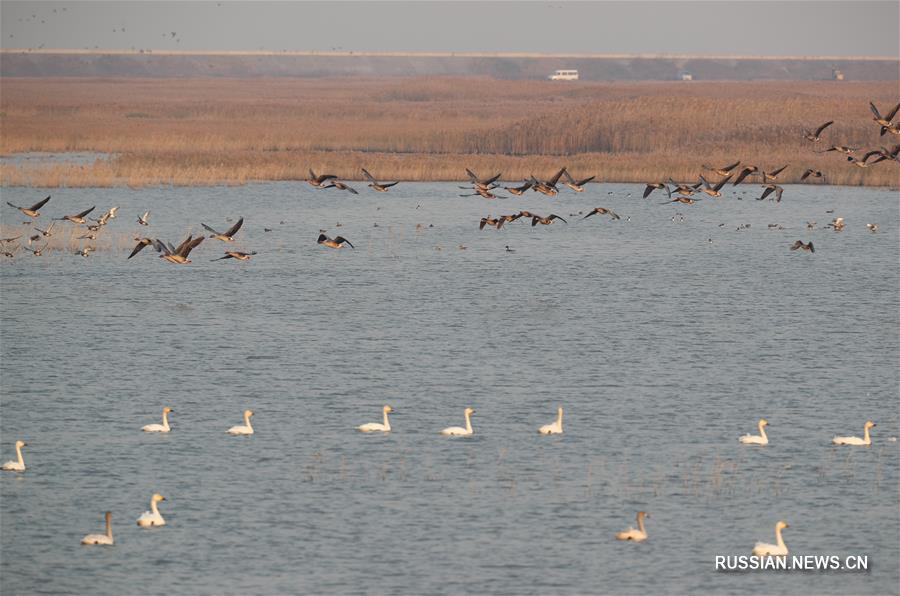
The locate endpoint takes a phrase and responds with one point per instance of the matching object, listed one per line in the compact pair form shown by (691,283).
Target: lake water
(663,340)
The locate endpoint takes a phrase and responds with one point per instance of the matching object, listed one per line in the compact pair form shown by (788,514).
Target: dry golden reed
(227,131)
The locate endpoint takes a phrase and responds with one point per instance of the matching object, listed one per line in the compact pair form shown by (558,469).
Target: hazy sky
(760,27)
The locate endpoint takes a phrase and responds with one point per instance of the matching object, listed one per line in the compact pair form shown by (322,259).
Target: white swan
(633,535)
(773,550)
(16,466)
(458,431)
(152,518)
(101,538)
(378,426)
(554,428)
(244,429)
(160,428)
(760,439)
(866,440)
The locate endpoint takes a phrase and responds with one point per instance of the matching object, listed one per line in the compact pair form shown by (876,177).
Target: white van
(564,75)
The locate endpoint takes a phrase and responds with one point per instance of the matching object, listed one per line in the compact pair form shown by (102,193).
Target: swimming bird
(519,190)
(769,189)
(244,429)
(101,539)
(635,535)
(234,254)
(384,427)
(773,550)
(884,121)
(602,211)
(872,227)
(86,251)
(489,221)
(545,221)
(811,172)
(179,254)
(807,247)
(577,186)
(865,441)
(33,210)
(19,464)
(78,218)
(160,428)
(726,171)
(152,518)
(337,242)
(554,428)
(144,219)
(141,243)
(373,183)
(319,181)
(508,249)
(227,236)
(760,439)
(815,136)
(713,191)
(837,223)
(651,186)
(341,186)
(458,431)
(746,171)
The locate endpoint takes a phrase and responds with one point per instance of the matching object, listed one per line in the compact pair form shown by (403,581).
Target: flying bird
(233,254)
(141,243)
(78,218)
(800,245)
(227,236)
(373,183)
(179,254)
(814,173)
(602,211)
(144,219)
(319,181)
(341,186)
(577,186)
(769,189)
(545,221)
(519,190)
(722,171)
(33,210)
(337,242)
(744,173)
(713,191)
(489,221)
(815,137)
(651,186)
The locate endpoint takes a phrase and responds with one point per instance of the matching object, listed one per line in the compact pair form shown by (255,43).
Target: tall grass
(199,132)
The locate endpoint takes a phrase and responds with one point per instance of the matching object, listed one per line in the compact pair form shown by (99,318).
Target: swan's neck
(22,461)
(640,522)
(247,421)
(559,418)
(153,507)
(762,431)
(866,438)
(108,528)
(387,423)
(778,539)
(468,423)
(165,420)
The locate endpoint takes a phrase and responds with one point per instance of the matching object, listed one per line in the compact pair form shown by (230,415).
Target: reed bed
(224,131)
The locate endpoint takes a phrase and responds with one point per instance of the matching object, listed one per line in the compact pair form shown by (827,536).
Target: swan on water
(160,428)
(16,466)
(635,535)
(866,440)
(243,429)
(152,518)
(101,538)
(773,550)
(556,427)
(384,427)
(761,438)
(458,431)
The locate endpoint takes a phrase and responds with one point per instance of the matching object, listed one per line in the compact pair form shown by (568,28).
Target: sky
(808,28)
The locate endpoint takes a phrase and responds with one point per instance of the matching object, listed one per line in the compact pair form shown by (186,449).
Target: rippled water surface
(663,340)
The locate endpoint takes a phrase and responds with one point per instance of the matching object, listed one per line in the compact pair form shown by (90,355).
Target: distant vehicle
(564,75)
(686,76)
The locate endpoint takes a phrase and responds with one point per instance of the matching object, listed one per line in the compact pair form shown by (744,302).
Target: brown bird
(78,218)
(341,186)
(227,236)
(5,240)
(577,186)
(482,192)
(482,182)
(723,171)
(373,183)
(841,149)
(489,221)
(48,232)
(814,173)
(807,247)
(651,186)
(519,190)
(602,211)
(547,187)
(510,218)
(684,189)
(682,200)
(773,175)
(337,242)
(815,136)
(141,243)
(33,210)
(144,219)
(837,223)
(744,173)
(233,254)
(545,221)
(179,254)
(319,180)
(885,121)
(859,163)
(713,191)
(769,189)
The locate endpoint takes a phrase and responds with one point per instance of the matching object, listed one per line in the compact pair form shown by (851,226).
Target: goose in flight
(18,465)
(336,242)
(859,163)
(545,221)
(141,243)
(815,137)
(489,221)
(769,189)
(547,187)
(486,193)
(227,236)
(773,175)
(144,219)
(341,186)
(13,239)
(319,181)
(865,441)
(686,190)
(373,183)
(651,186)
(101,539)
(602,211)
(235,254)
(682,200)
(808,247)
(773,550)
(714,191)
(519,190)
(509,218)
(884,121)
(577,186)
(635,535)
(33,210)
(78,218)
(726,171)
(483,182)
(811,172)
(40,249)
(746,171)
(840,149)
(179,254)
(48,232)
